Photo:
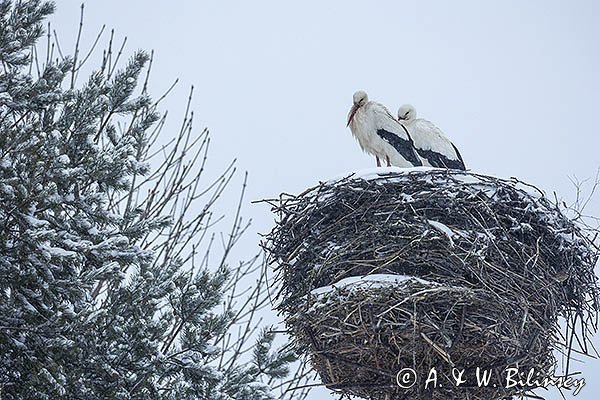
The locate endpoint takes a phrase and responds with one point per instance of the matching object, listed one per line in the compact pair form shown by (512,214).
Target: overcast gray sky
(514,84)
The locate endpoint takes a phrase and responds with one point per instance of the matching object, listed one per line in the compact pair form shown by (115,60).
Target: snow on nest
(375,173)
(444,229)
(390,174)
(368,282)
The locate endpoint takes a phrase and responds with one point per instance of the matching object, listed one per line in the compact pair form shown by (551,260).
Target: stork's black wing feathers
(441,161)
(462,163)
(402,146)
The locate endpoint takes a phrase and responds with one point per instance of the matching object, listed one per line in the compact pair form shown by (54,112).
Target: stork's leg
(387,158)
(378,162)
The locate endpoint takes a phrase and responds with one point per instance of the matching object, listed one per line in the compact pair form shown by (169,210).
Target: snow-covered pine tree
(107,286)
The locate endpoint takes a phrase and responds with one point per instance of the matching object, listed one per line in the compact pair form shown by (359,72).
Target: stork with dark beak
(380,134)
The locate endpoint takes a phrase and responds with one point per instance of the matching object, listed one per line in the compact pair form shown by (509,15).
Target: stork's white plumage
(379,134)
(430,143)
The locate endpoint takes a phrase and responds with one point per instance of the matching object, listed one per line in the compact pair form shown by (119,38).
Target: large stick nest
(496,264)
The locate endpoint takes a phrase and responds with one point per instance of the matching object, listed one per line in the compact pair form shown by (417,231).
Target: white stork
(379,134)
(430,143)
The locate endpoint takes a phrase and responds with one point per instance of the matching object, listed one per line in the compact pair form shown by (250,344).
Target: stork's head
(406,112)
(359,99)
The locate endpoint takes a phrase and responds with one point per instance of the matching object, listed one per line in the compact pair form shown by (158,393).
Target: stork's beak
(353,111)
